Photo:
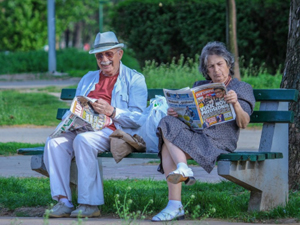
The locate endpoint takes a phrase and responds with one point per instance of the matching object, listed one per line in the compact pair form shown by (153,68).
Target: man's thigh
(98,140)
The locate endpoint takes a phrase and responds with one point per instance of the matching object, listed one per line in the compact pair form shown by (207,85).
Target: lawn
(223,200)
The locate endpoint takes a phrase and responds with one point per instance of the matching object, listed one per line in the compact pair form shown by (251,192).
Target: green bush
(160,30)
(68,60)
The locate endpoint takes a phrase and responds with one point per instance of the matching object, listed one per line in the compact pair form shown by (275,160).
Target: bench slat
(256,117)
(31,151)
(60,113)
(236,156)
(250,156)
(289,95)
(272,117)
(132,155)
(67,94)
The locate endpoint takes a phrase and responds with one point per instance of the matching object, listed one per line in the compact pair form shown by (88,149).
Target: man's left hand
(102,107)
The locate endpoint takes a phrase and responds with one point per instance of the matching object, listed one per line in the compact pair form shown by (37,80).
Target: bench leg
(264,179)
(37,164)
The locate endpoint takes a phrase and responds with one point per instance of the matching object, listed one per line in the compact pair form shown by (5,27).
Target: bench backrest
(261,95)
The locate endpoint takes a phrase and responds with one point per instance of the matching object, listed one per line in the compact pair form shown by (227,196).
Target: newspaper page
(183,102)
(212,108)
(82,117)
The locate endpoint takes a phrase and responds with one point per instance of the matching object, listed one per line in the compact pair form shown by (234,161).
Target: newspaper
(81,118)
(202,106)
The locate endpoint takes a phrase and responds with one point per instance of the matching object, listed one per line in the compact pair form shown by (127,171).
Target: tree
(291,80)
(231,36)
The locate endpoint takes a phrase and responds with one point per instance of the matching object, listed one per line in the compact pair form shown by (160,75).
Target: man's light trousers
(85,147)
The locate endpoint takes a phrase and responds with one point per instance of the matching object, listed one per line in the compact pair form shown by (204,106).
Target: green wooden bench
(264,173)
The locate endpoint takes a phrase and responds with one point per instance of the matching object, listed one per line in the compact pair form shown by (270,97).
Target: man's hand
(172,112)
(102,107)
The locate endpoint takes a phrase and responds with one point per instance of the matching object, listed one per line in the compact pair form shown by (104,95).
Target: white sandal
(181,175)
(166,215)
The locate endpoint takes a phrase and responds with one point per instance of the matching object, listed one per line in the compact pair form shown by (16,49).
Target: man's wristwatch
(113,113)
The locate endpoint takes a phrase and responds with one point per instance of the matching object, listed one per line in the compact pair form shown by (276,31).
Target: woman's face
(217,68)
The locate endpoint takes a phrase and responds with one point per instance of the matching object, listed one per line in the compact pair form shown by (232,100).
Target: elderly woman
(178,142)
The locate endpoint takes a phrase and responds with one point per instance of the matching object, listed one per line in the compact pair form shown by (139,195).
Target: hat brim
(97,50)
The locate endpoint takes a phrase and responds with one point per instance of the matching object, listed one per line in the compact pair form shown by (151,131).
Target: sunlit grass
(229,200)
(29,108)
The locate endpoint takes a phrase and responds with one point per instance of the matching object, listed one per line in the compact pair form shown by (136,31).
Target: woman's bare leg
(169,166)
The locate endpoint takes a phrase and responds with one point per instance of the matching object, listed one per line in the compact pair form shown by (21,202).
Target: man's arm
(128,117)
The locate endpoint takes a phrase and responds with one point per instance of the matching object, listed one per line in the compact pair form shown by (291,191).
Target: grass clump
(172,75)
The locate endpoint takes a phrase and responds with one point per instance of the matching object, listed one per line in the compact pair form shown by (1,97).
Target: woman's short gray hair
(219,49)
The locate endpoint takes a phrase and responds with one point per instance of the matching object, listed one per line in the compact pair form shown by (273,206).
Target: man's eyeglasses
(109,55)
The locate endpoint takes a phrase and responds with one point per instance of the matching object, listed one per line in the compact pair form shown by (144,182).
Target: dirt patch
(23,212)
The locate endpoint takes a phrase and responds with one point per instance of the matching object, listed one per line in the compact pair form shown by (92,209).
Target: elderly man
(122,95)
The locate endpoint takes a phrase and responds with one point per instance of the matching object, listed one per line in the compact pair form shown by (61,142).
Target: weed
(123,209)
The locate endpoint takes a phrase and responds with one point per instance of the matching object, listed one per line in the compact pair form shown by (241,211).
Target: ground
(23,212)
(39,211)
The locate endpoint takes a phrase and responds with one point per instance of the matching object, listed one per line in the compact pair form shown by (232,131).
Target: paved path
(104,221)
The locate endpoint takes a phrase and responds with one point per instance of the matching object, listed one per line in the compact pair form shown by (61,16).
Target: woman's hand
(172,112)
(231,97)
(242,118)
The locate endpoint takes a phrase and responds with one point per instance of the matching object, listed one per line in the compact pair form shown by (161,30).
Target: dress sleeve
(246,97)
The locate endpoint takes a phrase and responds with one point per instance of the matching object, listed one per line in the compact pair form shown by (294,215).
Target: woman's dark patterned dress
(206,145)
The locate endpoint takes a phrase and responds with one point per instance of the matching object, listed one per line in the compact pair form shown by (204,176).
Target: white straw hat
(105,41)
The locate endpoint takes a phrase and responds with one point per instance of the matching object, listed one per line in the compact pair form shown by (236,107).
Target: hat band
(106,44)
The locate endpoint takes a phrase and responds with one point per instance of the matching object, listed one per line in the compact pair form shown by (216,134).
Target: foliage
(72,60)
(172,75)
(24,22)
(161,30)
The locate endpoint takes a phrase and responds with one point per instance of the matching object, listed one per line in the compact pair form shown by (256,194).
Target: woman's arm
(242,117)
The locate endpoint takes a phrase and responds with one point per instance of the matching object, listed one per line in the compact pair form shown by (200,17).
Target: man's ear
(120,53)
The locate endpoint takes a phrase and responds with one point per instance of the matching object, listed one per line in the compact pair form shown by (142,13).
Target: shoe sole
(58,216)
(95,214)
(176,218)
(177,178)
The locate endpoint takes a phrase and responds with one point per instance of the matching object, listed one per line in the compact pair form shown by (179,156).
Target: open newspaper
(202,106)
(81,117)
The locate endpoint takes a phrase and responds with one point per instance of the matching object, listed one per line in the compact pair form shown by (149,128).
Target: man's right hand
(172,112)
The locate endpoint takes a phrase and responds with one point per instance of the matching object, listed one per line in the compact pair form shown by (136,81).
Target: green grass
(28,108)
(9,148)
(229,200)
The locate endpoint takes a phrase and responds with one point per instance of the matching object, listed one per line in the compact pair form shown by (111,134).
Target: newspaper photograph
(212,107)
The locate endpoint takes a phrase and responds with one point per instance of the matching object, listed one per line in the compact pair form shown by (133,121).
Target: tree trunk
(77,35)
(231,35)
(291,80)
(67,37)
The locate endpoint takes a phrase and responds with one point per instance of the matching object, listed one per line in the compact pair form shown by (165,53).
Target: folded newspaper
(81,117)
(202,106)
